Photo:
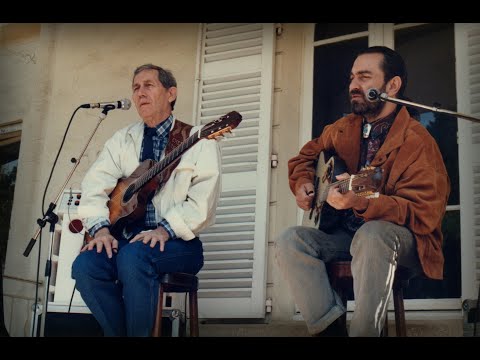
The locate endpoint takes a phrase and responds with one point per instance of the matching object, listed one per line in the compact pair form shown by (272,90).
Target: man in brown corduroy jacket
(401,227)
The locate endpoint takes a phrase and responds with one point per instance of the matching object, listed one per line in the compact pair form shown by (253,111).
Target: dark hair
(392,65)
(164,76)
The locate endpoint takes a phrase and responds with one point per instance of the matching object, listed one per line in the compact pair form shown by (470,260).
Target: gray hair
(164,76)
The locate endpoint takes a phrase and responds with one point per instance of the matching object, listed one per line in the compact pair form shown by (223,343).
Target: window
(9,149)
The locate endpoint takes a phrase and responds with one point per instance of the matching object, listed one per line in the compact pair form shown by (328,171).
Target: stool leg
(342,320)
(157,328)
(399,312)
(192,297)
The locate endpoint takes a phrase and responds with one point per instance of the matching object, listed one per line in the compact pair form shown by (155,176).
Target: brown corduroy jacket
(415,188)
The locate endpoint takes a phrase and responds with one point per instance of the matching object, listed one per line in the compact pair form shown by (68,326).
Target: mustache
(356,92)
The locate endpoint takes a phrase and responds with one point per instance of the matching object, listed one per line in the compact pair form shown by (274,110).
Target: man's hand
(347,200)
(304,196)
(102,239)
(153,236)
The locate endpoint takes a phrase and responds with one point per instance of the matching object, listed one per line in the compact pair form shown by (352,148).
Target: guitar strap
(179,133)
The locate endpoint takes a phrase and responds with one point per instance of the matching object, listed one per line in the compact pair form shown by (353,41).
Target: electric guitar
(129,198)
(366,183)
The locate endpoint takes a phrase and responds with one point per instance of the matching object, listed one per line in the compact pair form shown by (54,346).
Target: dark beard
(365,107)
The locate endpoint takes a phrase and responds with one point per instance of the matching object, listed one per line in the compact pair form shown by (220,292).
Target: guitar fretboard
(343,186)
(166,161)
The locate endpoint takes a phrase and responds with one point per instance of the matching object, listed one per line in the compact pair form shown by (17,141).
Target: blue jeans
(376,249)
(122,292)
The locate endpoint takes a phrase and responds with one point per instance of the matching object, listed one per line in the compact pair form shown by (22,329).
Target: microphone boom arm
(385,97)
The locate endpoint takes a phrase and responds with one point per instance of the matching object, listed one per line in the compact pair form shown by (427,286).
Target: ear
(393,86)
(172,94)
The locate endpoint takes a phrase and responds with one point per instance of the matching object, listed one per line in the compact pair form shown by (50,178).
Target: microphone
(123,104)
(373,95)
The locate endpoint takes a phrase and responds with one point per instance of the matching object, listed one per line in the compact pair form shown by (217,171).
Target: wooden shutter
(236,73)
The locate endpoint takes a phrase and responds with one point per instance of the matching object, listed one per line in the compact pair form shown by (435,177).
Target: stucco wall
(74,64)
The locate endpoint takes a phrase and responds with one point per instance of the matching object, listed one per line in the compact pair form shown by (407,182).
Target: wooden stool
(178,283)
(340,274)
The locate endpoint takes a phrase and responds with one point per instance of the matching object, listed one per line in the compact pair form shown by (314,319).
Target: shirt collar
(164,127)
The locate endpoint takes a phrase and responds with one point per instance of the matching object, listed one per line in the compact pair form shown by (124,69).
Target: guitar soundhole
(128,193)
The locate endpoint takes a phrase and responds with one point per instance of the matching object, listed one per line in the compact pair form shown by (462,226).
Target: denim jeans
(375,251)
(122,292)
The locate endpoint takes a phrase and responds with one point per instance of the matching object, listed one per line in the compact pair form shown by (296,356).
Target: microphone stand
(385,97)
(52,218)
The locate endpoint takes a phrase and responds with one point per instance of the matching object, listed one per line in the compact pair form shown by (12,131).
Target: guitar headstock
(367,182)
(223,125)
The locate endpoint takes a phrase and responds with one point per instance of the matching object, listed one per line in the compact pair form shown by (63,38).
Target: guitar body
(126,209)
(323,216)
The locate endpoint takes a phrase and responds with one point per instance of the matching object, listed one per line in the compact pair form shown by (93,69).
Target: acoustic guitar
(366,183)
(129,198)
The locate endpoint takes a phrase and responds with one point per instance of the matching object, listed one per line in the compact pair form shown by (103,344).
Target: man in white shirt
(117,271)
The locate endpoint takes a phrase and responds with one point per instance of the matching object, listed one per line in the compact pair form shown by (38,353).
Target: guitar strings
(341,183)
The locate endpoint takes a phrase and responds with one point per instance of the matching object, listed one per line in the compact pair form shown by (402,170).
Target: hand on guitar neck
(347,200)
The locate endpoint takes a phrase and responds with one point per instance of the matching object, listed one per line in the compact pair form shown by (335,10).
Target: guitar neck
(167,160)
(345,186)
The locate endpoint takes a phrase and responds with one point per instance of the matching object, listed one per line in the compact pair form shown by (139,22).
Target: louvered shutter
(236,74)
(467,51)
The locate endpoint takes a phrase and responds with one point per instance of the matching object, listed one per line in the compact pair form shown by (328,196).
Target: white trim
(198,71)
(406,25)
(388,35)
(375,34)
(465,161)
(305,125)
(260,260)
(338,38)
(305,133)
(10,127)
(453,207)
